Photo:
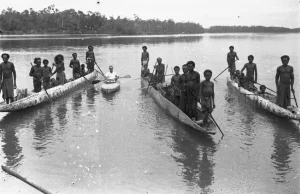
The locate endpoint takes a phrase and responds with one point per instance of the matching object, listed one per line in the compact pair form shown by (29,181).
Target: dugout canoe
(175,112)
(41,97)
(292,113)
(110,86)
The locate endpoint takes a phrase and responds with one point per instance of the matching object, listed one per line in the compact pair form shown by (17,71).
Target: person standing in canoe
(75,65)
(207,96)
(193,94)
(47,72)
(8,78)
(60,70)
(90,59)
(183,104)
(160,71)
(111,75)
(176,86)
(145,57)
(36,72)
(251,74)
(285,77)
(231,56)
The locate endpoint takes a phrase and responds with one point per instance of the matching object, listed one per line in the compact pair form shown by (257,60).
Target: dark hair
(207,71)
(6,55)
(82,65)
(231,47)
(144,47)
(45,61)
(262,86)
(35,60)
(191,62)
(90,46)
(57,56)
(176,67)
(285,56)
(250,56)
(74,54)
(184,65)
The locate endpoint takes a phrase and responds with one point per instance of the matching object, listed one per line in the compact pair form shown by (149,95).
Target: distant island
(52,21)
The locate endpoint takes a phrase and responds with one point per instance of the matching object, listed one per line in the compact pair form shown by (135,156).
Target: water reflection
(195,153)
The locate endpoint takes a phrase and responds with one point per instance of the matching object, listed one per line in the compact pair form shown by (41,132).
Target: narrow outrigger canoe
(175,112)
(292,113)
(40,97)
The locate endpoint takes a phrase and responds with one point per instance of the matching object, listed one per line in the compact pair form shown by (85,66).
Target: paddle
(18,176)
(150,78)
(295,98)
(209,113)
(101,72)
(126,76)
(221,73)
(261,85)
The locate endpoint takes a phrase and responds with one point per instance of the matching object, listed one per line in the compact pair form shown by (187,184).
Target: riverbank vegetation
(51,20)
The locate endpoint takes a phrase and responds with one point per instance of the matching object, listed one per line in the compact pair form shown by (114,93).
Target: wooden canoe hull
(263,103)
(174,111)
(41,97)
(110,87)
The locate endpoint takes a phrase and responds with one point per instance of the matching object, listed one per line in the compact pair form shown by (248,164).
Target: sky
(283,13)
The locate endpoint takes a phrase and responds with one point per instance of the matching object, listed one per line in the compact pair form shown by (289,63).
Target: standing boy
(176,86)
(75,64)
(207,96)
(47,72)
(231,56)
(251,74)
(183,94)
(160,71)
(145,57)
(7,79)
(36,72)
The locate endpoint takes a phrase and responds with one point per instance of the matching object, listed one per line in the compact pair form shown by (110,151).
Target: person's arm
(228,62)
(63,66)
(32,73)
(148,57)
(172,81)
(0,77)
(71,65)
(213,94)
(236,56)
(86,56)
(292,80)
(15,75)
(116,76)
(200,92)
(243,68)
(50,70)
(198,86)
(277,76)
(255,73)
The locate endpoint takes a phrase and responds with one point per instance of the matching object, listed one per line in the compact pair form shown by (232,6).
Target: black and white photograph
(150,97)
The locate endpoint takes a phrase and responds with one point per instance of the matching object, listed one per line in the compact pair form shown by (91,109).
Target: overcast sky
(284,13)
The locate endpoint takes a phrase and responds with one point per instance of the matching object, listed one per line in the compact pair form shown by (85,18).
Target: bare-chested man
(160,71)
(183,105)
(285,76)
(7,79)
(251,74)
(231,56)
(176,86)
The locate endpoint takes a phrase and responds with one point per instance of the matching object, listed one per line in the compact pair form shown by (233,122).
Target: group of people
(284,78)
(42,74)
(187,87)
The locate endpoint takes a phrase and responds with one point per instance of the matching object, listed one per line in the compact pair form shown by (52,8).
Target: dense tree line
(249,29)
(51,20)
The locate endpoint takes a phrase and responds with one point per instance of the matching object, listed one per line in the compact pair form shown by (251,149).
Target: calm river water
(88,142)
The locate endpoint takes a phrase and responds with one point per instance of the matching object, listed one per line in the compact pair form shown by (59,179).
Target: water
(88,142)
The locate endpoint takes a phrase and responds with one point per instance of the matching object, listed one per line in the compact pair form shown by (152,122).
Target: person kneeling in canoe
(262,93)
(47,72)
(176,86)
(36,72)
(145,71)
(111,75)
(207,96)
(82,70)
(285,76)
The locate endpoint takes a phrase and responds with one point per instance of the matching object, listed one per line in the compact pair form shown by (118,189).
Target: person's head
(53,80)
(263,88)
(207,74)
(159,60)
(238,73)
(190,65)
(285,59)
(74,55)
(90,48)
(5,57)
(82,66)
(111,68)
(176,70)
(37,61)
(58,58)
(184,68)
(231,48)
(45,62)
(144,48)
(250,58)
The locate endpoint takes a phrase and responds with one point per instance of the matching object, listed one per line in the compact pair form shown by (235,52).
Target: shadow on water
(110,96)
(195,153)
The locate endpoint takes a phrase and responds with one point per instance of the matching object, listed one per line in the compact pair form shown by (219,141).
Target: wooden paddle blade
(96,81)
(126,76)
